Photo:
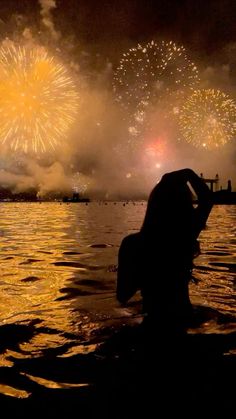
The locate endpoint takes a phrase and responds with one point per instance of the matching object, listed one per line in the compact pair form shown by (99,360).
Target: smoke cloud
(42,179)
(47,19)
(101,158)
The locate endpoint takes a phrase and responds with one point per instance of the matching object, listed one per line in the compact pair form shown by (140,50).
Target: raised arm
(205,200)
(203,193)
(163,191)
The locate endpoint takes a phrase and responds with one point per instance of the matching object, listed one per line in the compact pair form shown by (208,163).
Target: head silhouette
(170,206)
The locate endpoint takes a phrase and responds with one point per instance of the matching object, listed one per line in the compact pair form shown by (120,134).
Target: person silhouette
(158,260)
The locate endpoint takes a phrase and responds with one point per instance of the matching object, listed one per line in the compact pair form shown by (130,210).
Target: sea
(58,279)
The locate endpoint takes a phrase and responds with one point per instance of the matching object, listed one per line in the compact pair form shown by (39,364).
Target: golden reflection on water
(45,247)
(52,384)
(33,238)
(14,392)
(54,261)
(215,268)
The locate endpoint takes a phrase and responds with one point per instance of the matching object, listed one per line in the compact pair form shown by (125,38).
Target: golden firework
(208,119)
(152,76)
(146,73)
(38,100)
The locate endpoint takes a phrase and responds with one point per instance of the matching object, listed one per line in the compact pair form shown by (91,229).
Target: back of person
(158,259)
(129,276)
(166,276)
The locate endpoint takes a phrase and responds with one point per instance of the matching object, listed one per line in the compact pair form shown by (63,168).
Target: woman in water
(158,260)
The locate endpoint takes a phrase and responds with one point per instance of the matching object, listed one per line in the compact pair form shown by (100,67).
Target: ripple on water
(30,279)
(227,266)
(41,250)
(29,261)
(72,253)
(73,293)
(100,245)
(89,282)
(79,265)
(218,253)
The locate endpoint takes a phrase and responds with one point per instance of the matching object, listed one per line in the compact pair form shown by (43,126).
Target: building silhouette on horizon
(221,196)
(214,183)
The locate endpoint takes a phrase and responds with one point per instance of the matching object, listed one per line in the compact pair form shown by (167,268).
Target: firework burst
(208,119)
(146,73)
(38,100)
(151,76)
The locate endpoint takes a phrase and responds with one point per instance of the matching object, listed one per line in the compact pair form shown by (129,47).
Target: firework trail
(38,100)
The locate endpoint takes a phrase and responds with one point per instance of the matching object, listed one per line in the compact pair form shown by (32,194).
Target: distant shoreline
(216,202)
(73,202)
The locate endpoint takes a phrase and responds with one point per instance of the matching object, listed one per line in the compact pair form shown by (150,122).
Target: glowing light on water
(38,100)
(208,119)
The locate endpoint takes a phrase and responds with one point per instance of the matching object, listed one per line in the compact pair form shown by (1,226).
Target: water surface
(57,284)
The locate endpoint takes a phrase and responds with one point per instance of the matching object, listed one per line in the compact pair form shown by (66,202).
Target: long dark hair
(170,205)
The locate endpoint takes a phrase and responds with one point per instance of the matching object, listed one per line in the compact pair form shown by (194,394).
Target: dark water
(57,283)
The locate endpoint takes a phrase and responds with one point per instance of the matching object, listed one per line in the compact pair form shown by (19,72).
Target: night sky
(89,37)
(206,27)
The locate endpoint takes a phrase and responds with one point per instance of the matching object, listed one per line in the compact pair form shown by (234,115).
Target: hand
(182,175)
